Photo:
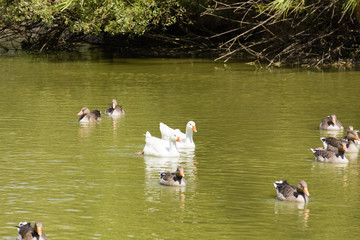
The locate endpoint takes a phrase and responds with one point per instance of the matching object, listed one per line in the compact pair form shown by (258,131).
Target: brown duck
(87,116)
(331,143)
(114,109)
(27,232)
(287,192)
(173,179)
(351,137)
(331,123)
(330,156)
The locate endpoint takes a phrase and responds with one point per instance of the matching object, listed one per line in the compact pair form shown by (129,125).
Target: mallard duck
(173,179)
(287,192)
(27,232)
(87,116)
(186,138)
(114,109)
(331,123)
(161,148)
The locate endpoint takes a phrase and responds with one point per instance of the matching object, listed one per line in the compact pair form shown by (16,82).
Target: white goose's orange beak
(178,139)
(306,191)
(194,128)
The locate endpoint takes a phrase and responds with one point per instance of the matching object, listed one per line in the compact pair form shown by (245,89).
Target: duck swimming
(287,192)
(87,116)
(173,179)
(114,109)
(352,139)
(27,232)
(331,123)
(331,143)
(330,156)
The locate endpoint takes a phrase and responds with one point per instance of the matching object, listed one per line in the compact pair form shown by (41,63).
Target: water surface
(255,126)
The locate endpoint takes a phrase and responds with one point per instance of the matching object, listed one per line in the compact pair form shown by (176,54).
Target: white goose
(186,138)
(161,148)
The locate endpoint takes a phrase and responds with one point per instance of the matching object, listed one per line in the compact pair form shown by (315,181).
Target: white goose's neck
(189,135)
(172,145)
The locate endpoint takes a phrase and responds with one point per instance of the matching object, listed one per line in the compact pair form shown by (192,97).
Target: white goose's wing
(166,131)
(180,134)
(155,146)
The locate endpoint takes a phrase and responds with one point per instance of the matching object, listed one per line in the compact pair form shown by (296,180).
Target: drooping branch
(312,33)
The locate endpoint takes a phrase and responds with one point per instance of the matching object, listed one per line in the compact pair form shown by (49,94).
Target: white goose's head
(191,125)
(174,137)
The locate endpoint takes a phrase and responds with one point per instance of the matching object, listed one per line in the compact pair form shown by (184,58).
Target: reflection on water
(352,156)
(86,128)
(330,168)
(116,122)
(333,133)
(293,208)
(166,164)
(161,164)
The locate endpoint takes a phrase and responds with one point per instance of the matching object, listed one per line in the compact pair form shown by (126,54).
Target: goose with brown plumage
(87,116)
(287,192)
(173,179)
(331,143)
(352,139)
(115,109)
(331,123)
(330,156)
(27,232)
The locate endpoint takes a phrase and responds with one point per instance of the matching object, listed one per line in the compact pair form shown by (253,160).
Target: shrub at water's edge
(48,24)
(314,32)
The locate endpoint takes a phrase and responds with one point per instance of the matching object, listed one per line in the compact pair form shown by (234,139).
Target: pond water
(255,126)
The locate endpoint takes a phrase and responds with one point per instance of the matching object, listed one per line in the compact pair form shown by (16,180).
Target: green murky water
(254,127)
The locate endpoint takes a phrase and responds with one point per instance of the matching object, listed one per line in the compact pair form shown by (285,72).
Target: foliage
(35,20)
(282,7)
(117,16)
(350,5)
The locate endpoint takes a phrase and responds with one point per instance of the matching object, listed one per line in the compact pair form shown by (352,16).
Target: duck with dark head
(173,179)
(27,232)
